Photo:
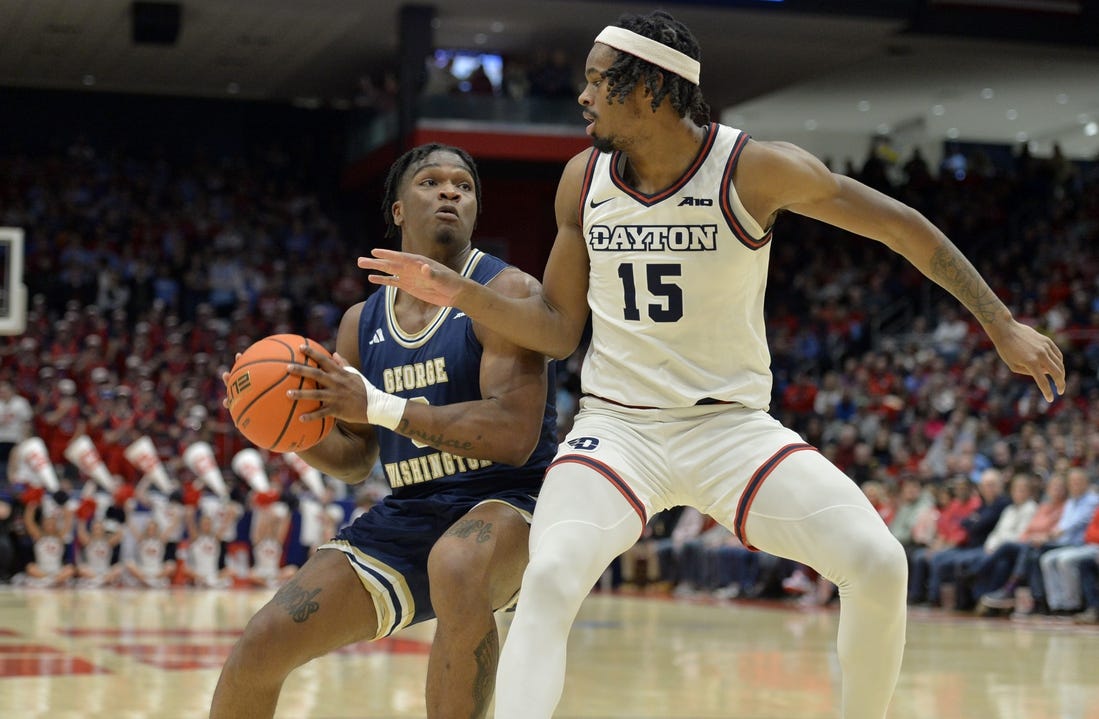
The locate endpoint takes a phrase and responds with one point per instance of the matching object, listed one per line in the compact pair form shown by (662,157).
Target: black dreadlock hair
(623,76)
(397,175)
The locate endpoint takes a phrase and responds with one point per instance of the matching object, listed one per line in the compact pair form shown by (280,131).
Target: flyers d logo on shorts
(584,444)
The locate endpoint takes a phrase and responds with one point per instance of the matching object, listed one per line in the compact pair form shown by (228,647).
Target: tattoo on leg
(466,527)
(487,656)
(297,600)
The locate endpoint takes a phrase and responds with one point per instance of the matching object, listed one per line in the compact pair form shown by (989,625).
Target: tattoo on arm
(297,601)
(465,527)
(487,656)
(955,273)
(437,441)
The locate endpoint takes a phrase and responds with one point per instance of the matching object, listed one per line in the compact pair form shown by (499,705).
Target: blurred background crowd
(149,265)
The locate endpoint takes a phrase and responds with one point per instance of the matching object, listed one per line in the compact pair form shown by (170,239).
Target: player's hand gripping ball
(257,399)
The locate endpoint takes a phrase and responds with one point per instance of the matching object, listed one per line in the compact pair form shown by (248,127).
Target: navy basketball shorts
(388,547)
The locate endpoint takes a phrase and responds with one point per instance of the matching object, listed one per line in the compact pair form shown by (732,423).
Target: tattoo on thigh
(297,601)
(480,530)
(487,656)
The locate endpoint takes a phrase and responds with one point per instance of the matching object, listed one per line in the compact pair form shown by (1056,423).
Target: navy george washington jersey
(440,364)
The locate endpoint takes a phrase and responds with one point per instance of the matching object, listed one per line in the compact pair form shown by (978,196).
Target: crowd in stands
(546,74)
(148,276)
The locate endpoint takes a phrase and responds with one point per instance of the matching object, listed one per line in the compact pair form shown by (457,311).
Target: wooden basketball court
(157,653)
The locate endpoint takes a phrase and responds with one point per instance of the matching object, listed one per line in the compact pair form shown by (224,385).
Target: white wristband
(382,408)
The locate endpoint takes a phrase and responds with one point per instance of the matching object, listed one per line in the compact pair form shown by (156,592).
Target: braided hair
(401,167)
(628,70)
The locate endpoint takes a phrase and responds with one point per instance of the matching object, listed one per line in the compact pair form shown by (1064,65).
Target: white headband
(652,51)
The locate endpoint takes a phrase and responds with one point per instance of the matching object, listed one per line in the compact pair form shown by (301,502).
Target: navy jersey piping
(731,219)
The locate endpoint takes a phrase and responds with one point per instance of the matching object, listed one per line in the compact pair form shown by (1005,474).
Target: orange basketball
(257,396)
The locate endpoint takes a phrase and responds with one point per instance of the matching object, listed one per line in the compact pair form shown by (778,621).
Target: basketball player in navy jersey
(464,424)
(664,234)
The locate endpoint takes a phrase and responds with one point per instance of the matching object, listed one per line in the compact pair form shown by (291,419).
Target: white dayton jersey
(676,285)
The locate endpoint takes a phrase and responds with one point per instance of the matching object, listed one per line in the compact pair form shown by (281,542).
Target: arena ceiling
(797,71)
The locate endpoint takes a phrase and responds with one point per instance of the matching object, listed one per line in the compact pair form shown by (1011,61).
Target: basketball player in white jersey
(663,238)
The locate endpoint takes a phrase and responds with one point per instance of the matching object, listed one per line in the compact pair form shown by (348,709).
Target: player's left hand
(341,393)
(1027,351)
(423,278)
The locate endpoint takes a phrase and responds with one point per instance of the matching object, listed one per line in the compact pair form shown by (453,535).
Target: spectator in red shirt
(950,533)
(64,421)
(800,394)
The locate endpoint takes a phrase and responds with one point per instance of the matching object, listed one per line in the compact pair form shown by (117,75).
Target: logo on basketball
(257,389)
(584,444)
(239,385)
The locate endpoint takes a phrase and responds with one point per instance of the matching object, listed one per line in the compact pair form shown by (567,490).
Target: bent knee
(472,573)
(264,648)
(883,562)
(555,579)
(262,631)
(451,568)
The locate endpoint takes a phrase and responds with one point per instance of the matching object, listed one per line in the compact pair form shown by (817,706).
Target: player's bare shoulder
(510,282)
(773,175)
(513,282)
(764,155)
(347,337)
(571,186)
(574,168)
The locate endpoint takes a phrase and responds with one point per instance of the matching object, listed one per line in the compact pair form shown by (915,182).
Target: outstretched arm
(174,522)
(502,426)
(82,534)
(800,183)
(189,513)
(68,516)
(33,530)
(550,322)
